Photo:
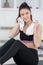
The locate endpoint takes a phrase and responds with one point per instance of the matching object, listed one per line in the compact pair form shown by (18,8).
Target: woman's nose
(25,16)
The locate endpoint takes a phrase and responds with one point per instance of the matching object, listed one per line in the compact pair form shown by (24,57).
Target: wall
(7,19)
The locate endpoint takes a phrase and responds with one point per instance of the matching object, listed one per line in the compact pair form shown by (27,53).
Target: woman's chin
(26,22)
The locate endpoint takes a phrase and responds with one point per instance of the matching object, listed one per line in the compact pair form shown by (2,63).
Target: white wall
(7,19)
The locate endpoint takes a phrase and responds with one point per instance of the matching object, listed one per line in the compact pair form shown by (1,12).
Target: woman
(25,50)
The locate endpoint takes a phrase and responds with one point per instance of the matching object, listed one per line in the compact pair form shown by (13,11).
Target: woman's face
(25,15)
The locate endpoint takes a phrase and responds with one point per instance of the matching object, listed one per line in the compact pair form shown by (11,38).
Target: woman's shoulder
(36,22)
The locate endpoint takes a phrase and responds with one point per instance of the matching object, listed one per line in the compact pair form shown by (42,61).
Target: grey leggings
(21,54)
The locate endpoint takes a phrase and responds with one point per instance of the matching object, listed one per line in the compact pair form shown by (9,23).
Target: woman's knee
(11,39)
(19,43)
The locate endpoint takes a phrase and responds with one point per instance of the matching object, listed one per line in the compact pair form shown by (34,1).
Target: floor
(13,63)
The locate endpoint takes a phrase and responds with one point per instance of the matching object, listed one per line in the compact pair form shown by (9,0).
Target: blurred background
(9,13)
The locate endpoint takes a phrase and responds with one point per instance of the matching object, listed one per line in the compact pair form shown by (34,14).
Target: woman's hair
(22,6)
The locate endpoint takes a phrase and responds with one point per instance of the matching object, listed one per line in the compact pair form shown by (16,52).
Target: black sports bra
(24,36)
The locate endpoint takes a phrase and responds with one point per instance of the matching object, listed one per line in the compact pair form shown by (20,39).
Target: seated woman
(25,50)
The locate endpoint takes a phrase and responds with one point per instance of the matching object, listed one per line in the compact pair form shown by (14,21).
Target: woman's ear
(30,13)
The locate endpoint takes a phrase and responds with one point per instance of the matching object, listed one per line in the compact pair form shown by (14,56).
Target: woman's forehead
(24,10)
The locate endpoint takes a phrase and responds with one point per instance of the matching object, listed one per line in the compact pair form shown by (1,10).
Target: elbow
(10,36)
(37,46)
(37,43)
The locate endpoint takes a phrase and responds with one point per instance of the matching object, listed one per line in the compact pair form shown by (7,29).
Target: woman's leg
(11,52)
(26,56)
(17,59)
(6,46)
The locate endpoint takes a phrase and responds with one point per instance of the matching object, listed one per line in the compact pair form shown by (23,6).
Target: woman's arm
(14,31)
(37,35)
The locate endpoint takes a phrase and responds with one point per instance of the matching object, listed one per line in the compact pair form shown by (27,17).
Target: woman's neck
(28,23)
